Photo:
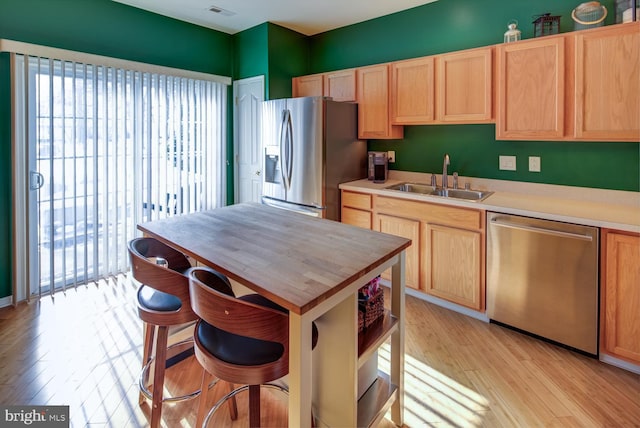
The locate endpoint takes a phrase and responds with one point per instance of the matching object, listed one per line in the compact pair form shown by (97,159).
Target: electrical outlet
(391,156)
(508,163)
(534,163)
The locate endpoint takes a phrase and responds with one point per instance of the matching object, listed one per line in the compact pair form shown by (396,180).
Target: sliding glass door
(106,149)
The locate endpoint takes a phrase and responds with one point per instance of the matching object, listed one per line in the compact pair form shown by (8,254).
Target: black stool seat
(243,350)
(154,300)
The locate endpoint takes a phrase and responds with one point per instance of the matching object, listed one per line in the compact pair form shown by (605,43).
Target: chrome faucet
(444,171)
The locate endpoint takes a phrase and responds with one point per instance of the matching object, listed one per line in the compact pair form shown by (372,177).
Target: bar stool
(243,340)
(163,301)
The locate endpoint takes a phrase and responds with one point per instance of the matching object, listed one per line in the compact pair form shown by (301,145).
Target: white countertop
(613,209)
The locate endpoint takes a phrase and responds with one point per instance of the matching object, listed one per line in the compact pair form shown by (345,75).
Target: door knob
(258,172)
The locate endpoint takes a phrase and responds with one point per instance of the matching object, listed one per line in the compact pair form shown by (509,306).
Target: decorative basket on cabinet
(370,304)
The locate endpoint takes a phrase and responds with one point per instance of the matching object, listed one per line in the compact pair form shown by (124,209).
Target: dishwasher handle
(536,229)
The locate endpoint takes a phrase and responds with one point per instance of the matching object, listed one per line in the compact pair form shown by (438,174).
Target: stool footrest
(144,375)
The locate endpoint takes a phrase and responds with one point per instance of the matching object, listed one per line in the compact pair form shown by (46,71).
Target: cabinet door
(452,259)
(412,91)
(608,84)
(307,86)
(531,89)
(373,103)
(340,85)
(465,86)
(406,228)
(622,296)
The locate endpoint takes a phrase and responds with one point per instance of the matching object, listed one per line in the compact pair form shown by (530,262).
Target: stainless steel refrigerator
(310,146)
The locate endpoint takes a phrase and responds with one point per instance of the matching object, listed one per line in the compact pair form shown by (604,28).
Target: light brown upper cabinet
(340,85)
(531,89)
(372,95)
(464,84)
(412,91)
(308,86)
(607,83)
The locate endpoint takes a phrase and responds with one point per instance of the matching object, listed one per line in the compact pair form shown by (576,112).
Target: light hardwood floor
(83,349)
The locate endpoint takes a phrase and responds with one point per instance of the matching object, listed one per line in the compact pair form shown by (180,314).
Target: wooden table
(312,267)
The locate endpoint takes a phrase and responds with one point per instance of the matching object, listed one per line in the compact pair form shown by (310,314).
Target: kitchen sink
(425,189)
(413,188)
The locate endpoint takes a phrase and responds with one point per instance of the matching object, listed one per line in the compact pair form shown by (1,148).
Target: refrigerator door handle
(289,149)
(285,137)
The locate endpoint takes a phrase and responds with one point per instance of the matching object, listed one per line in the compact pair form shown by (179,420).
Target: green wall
(101,27)
(288,57)
(450,25)
(273,51)
(251,52)
(109,28)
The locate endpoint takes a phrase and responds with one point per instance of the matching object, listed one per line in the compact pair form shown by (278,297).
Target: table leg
(300,376)
(397,338)
(335,365)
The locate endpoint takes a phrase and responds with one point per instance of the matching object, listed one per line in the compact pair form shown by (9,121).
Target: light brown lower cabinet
(453,268)
(356,209)
(620,294)
(446,258)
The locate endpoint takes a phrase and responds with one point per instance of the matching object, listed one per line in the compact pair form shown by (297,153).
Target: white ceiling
(308,17)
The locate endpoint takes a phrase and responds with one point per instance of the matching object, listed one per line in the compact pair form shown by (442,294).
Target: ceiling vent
(221,11)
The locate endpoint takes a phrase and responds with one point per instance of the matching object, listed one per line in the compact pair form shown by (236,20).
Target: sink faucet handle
(455,180)
(434,182)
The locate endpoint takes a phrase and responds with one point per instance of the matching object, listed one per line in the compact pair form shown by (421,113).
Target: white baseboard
(620,363)
(448,305)
(436,301)
(6,301)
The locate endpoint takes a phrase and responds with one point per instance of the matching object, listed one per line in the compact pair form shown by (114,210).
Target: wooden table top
(295,260)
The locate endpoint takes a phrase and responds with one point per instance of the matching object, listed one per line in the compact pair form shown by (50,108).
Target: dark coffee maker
(378,167)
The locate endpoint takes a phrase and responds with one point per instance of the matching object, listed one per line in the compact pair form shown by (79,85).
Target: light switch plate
(534,163)
(391,156)
(508,163)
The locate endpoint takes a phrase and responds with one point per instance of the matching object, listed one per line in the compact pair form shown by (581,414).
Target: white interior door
(247,94)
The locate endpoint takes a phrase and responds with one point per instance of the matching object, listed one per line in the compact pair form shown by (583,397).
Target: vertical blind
(111,148)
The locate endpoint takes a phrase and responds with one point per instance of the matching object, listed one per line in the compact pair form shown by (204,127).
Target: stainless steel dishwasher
(542,278)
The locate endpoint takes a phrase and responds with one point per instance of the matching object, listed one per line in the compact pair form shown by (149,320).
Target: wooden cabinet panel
(621,291)
(608,84)
(531,89)
(464,84)
(356,209)
(340,85)
(373,104)
(356,217)
(307,86)
(449,247)
(452,263)
(412,91)
(406,228)
(356,200)
(441,214)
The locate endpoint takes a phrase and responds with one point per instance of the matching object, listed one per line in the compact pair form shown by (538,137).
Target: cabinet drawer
(356,200)
(356,217)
